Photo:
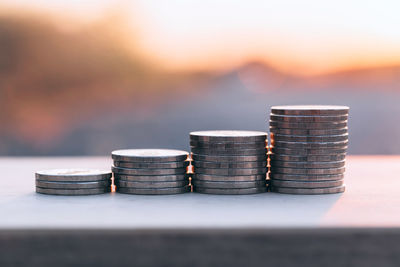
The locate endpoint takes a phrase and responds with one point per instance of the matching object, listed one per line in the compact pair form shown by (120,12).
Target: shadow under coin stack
(73,182)
(308,149)
(229,162)
(151,171)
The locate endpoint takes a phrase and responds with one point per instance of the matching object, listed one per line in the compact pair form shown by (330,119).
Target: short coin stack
(73,182)
(229,162)
(308,149)
(151,171)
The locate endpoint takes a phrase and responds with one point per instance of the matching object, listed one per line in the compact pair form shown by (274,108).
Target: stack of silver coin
(73,182)
(151,171)
(229,162)
(308,149)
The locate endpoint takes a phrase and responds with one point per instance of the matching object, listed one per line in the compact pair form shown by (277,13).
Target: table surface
(372,199)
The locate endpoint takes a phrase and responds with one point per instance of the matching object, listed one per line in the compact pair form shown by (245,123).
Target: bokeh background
(88,77)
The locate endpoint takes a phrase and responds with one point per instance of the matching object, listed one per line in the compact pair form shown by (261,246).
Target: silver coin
(309,132)
(228,185)
(148,171)
(308,125)
(224,165)
(149,155)
(228,172)
(231,178)
(306,177)
(309,191)
(308,138)
(307,184)
(150,184)
(307,171)
(313,145)
(310,110)
(307,164)
(234,136)
(151,165)
(311,158)
(153,191)
(208,145)
(73,185)
(151,178)
(72,175)
(230,159)
(73,192)
(228,152)
(238,191)
(302,152)
(291,118)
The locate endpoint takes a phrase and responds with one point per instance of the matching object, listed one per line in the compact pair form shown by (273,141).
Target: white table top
(372,199)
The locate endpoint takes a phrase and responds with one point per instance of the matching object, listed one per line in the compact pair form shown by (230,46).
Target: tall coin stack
(151,171)
(229,162)
(308,149)
(73,182)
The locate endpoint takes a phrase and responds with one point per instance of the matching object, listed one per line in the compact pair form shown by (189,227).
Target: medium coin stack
(308,149)
(229,162)
(73,182)
(151,171)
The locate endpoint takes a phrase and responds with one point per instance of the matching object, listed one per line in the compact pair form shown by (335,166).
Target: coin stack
(151,171)
(73,182)
(308,149)
(229,162)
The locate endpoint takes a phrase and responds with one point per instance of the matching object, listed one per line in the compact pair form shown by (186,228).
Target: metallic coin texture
(291,118)
(309,138)
(303,184)
(153,191)
(127,171)
(230,159)
(238,146)
(307,171)
(239,191)
(309,158)
(308,149)
(225,165)
(309,191)
(229,185)
(122,183)
(224,152)
(313,145)
(308,164)
(235,136)
(309,132)
(72,192)
(231,178)
(234,172)
(149,155)
(73,175)
(152,165)
(308,125)
(73,185)
(306,177)
(310,110)
(151,178)
(307,152)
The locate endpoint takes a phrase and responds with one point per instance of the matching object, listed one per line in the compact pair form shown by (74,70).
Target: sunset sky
(304,37)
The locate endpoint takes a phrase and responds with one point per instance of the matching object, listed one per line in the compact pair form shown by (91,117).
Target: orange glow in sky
(303,37)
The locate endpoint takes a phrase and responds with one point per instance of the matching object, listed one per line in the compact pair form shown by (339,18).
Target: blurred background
(88,77)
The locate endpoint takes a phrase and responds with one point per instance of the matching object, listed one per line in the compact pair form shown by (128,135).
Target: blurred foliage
(50,77)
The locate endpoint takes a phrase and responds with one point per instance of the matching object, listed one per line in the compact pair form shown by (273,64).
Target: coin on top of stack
(73,182)
(151,171)
(229,162)
(308,149)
